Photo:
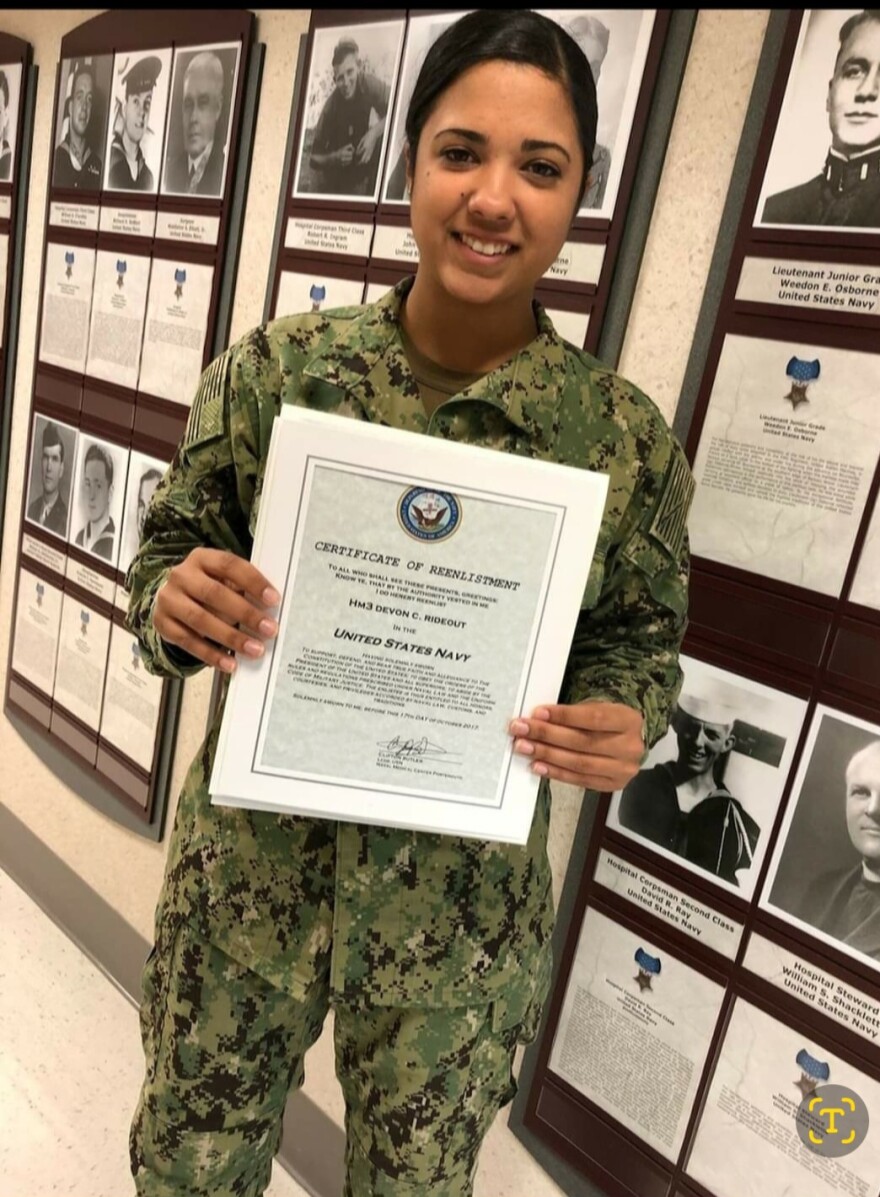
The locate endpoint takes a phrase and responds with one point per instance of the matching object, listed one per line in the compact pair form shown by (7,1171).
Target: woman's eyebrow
(467,134)
(529,146)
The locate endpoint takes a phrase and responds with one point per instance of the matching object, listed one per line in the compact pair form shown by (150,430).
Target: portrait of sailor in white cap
(128,169)
(683,805)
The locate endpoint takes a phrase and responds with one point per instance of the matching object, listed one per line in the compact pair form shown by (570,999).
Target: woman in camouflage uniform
(434,951)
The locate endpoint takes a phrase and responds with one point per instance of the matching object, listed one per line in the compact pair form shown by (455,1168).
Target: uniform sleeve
(321,142)
(206,496)
(378,94)
(625,648)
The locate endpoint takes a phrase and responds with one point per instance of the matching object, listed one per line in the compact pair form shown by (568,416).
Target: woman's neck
(464,336)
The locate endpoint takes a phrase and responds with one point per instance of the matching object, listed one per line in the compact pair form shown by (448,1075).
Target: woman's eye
(545,170)
(457,154)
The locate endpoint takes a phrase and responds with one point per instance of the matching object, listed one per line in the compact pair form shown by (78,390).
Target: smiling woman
(499,135)
(434,950)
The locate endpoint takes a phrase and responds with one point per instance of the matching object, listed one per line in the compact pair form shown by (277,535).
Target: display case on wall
(18,81)
(344,233)
(147,171)
(720,955)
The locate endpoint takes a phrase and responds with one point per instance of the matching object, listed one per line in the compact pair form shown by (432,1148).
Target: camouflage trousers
(223,1049)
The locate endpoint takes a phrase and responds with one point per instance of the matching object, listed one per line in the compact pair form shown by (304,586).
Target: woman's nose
(492,194)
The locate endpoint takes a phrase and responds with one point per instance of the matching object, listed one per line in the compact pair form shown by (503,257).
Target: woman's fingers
(202,608)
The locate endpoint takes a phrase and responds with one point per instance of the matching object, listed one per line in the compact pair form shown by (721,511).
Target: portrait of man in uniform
(844,190)
(202,97)
(144,475)
(827,871)
(845,903)
(5,123)
(707,793)
(147,483)
(10,87)
(683,804)
(421,35)
(345,123)
(592,36)
(98,533)
(137,124)
(78,159)
(51,451)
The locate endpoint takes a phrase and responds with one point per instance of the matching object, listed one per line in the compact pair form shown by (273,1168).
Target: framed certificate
(430,593)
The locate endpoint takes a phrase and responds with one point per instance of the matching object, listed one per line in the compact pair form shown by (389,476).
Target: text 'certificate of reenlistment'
(430,592)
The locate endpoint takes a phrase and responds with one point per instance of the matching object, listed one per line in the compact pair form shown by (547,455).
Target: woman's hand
(201,602)
(596,745)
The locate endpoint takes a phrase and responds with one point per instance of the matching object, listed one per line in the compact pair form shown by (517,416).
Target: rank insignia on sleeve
(670,518)
(206,416)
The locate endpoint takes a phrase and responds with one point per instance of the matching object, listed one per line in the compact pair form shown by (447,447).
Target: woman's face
(496,180)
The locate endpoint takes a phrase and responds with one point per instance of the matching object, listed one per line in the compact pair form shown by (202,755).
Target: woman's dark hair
(508,35)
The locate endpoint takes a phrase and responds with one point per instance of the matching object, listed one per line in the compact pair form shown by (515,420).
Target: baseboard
(312,1146)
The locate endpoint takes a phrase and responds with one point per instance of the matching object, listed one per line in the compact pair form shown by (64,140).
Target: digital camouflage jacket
(406,918)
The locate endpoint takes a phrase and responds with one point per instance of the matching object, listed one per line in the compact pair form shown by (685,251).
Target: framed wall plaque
(341,220)
(148,164)
(749,845)
(17,98)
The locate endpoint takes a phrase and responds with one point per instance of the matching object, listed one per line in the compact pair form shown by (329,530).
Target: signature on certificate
(421,747)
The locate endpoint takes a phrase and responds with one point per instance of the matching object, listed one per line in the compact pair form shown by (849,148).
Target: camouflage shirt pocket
(652,559)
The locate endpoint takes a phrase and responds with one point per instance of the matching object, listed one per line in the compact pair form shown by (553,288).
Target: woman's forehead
(516,90)
(507,103)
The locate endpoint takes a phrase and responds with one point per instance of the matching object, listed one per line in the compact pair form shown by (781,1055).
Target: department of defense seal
(428,514)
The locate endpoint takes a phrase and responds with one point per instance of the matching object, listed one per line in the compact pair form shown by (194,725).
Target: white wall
(123,868)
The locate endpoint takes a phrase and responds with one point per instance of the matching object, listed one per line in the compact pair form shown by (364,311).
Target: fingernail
(540,768)
(518,727)
(540,713)
(268,627)
(253,648)
(271,597)
(227,664)
(523,746)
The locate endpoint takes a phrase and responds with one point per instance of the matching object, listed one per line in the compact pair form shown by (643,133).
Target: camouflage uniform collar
(525,388)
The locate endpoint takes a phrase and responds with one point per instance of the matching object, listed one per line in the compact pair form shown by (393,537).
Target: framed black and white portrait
(203,92)
(421,34)
(824,164)
(98,497)
(347,110)
(81,122)
(707,795)
(52,465)
(825,872)
(136,129)
(615,43)
(10,97)
(144,475)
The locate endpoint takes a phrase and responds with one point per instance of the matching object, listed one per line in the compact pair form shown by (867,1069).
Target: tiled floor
(70,1065)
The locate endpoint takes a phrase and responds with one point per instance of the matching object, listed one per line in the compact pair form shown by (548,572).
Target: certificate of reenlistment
(430,592)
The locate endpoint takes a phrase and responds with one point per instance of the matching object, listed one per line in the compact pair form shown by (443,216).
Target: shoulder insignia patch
(206,417)
(670,517)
